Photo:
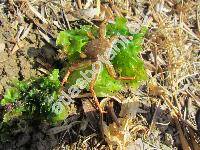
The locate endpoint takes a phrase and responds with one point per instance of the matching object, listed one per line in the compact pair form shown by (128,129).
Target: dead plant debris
(164,113)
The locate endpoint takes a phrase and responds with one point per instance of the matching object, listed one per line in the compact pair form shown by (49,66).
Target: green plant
(126,62)
(35,99)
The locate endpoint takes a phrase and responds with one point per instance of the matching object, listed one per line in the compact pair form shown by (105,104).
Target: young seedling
(87,46)
(35,99)
(97,51)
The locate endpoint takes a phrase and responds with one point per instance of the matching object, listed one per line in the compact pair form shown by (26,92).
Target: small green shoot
(127,61)
(35,99)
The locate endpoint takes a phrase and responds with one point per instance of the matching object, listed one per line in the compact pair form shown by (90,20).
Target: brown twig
(183,140)
(154,118)
(65,16)
(195,145)
(197,16)
(79,4)
(170,105)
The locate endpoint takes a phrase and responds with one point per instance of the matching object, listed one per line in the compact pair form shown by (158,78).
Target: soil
(15,66)
(36,57)
(22,65)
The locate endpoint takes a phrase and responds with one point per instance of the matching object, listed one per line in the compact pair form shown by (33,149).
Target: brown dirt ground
(22,64)
(35,56)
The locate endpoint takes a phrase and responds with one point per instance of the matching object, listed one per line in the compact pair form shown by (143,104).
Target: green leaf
(76,43)
(60,112)
(13,114)
(10,96)
(73,41)
(127,62)
(106,85)
(62,39)
(35,97)
(118,28)
(22,85)
(54,77)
